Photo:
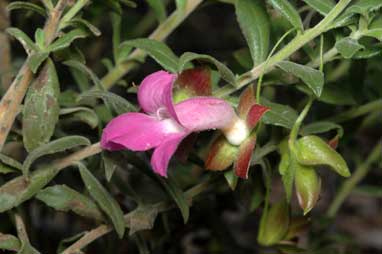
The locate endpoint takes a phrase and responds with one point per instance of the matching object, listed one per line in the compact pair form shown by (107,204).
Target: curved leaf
(289,12)
(17,5)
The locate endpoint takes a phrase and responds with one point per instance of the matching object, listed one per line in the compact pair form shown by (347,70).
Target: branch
(162,32)
(10,103)
(5,49)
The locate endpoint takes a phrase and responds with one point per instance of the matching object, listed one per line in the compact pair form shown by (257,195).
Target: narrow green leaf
(254,23)
(289,12)
(159,9)
(313,78)
(143,217)
(10,162)
(348,47)
(312,150)
(224,72)
(243,57)
(36,59)
(63,198)
(321,127)
(79,22)
(161,53)
(103,199)
(336,94)
(41,108)
(279,115)
(363,7)
(119,104)
(23,5)
(58,145)
(26,247)
(67,39)
(66,242)
(9,242)
(109,165)
(81,114)
(27,43)
(287,169)
(39,37)
(322,6)
(177,194)
(84,69)
(5,169)
(375,33)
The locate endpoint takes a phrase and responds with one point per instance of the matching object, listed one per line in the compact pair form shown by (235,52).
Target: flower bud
(221,155)
(308,187)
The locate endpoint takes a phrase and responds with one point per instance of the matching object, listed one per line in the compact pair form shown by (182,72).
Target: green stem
(298,42)
(163,30)
(296,127)
(357,112)
(77,7)
(356,177)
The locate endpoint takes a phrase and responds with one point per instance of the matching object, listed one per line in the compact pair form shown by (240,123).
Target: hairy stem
(356,177)
(163,31)
(10,103)
(298,42)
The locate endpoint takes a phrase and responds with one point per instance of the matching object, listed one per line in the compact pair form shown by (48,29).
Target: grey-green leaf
(363,7)
(36,59)
(224,72)
(348,47)
(159,9)
(23,5)
(41,108)
(321,127)
(84,69)
(322,6)
(67,39)
(312,150)
(279,115)
(161,53)
(289,12)
(56,146)
(80,114)
(313,78)
(79,22)
(103,199)
(27,43)
(10,162)
(255,25)
(143,217)
(9,242)
(63,198)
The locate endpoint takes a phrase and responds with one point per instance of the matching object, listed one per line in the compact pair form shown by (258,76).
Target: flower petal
(203,113)
(254,114)
(163,153)
(155,92)
(242,163)
(138,132)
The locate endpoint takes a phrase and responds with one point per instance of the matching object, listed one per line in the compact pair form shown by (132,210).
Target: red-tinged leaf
(196,81)
(244,157)
(254,115)
(247,99)
(334,142)
(221,155)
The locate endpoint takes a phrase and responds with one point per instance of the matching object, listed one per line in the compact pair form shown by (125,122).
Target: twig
(10,103)
(162,32)
(356,177)
(5,49)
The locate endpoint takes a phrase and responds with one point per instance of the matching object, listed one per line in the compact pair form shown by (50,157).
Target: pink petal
(163,153)
(242,163)
(155,92)
(138,132)
(203,113)
(255,113)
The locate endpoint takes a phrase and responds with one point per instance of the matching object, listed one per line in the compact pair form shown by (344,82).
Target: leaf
(375,33)
(103,199)
(159,9)
(56,146)
(348,47)
(79,22)
(161,53)
(322,6)
(287,169)
(143,217)
(231,178)
(109,165)
(177,194)
(313,78)
(10,162)
(119,104)
(81,114)
(84,69)
(363,7)
(36,59)
(63,198)
(312,150)
(243,57)
(321,127)
(254,23)
(27,43)
(225,73)
(64,243)
(275,224)
(21,188)
(26,247)
(279,115)
(66,40)
(39,37)
(17,5)
(9,242)
(289,12)
(41,108)
(337,94)
(181,5)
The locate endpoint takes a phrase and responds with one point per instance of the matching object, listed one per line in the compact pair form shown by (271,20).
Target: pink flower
(164,125)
